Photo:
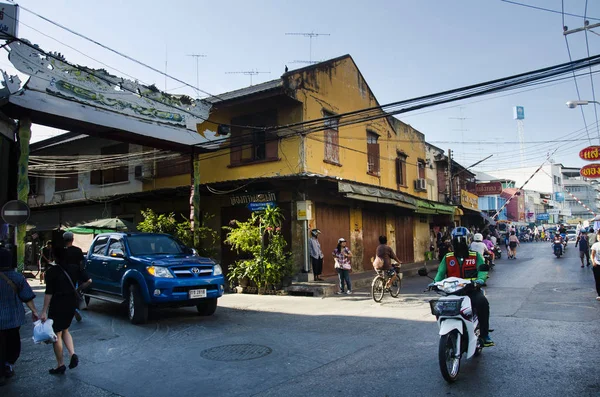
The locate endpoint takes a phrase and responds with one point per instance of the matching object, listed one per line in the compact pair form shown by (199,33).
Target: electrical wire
(117,52)
(574,78)
(545,9)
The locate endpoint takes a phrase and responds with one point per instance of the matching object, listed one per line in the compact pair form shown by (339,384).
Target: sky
(404,49)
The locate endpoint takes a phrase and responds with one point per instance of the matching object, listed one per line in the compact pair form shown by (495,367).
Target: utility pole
(197,56)
(450,176)
(310,36)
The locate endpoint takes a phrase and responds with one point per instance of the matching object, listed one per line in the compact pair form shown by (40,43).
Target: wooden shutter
(272,146)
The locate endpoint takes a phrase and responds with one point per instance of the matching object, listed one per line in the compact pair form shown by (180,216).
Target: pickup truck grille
(192,271)
(187,289)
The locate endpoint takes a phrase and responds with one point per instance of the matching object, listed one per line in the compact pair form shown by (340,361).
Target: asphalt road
(544,314)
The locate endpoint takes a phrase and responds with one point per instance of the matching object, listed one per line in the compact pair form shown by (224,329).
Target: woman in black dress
(60,300)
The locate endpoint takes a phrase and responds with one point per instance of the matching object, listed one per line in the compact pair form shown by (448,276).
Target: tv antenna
(310,36)
(305,62)
(197,56)
(462,129)
(248,73)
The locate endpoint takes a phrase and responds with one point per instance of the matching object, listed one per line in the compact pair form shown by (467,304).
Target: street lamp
(574,104)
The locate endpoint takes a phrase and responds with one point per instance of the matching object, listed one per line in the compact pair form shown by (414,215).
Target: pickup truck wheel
(207,307)
(137,309)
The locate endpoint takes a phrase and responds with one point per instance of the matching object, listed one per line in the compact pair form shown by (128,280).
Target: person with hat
(343,266)
(60,301)
(14,291)
(316,255)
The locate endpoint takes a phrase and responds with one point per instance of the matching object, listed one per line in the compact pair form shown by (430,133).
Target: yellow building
(363,179)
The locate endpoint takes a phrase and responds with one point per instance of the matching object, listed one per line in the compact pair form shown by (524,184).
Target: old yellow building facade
(295,139)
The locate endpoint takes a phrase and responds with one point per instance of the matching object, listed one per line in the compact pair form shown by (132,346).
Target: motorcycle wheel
(499,255)
(378,289)
(448,357)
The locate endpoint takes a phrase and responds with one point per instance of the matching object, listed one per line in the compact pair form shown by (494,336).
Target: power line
(114,51)
(546,9)
(587,45)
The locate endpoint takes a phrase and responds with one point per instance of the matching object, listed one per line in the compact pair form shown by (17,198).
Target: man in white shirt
(596,268)
(477,245)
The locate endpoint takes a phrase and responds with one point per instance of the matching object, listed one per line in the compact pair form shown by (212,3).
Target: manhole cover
(236,352)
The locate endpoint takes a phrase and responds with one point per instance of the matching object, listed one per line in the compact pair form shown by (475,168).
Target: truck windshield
(154,245)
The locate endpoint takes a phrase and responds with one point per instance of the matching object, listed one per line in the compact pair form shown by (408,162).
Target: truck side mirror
(116,253)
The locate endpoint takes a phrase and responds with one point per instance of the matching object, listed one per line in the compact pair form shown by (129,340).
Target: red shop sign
(590,153)
(590,171)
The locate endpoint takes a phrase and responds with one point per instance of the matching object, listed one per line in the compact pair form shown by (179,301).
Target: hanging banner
(591,171)
(590,153)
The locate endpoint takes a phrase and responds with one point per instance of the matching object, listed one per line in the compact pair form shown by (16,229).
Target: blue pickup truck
(148,270)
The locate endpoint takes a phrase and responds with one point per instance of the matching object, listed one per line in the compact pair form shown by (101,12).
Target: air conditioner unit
(142,173)
(420,184)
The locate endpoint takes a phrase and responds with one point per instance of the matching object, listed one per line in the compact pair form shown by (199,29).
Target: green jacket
(442,270)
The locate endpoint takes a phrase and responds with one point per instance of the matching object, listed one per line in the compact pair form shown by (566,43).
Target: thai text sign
(590,171)
(246,199)
(554,211)
(9,21)
(469,200)
(488,189)
(543,216)
(590,153)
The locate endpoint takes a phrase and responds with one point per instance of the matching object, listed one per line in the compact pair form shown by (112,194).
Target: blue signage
(559,196)
(542,217)
(519,113)
(254,206)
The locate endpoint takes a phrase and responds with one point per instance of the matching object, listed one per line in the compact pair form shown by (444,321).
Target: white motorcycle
(459,325)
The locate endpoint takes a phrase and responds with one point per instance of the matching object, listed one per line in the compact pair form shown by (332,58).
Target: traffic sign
(15,212)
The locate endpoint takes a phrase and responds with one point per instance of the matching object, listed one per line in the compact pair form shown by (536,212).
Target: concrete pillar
(23,185)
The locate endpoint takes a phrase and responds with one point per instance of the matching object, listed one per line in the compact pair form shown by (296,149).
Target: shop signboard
(591,171)
(469,200)
(590,153)
(543,216)
(488,189)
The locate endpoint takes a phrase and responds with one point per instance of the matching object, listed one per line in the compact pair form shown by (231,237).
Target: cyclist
(467,264)
(386,254)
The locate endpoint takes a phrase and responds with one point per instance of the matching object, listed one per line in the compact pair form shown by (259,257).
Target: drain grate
(236,352)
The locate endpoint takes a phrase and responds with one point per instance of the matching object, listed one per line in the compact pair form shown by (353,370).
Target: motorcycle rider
(465,264)
(479,246)
(557,236)
(490,246)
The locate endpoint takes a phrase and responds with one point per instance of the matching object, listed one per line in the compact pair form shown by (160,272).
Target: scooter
(497,251)
(488,260)
(558,248)
(458,323)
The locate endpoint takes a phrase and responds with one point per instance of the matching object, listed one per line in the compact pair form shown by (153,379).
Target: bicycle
(378,285)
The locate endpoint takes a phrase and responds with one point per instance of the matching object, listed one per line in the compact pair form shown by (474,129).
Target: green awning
(434,208)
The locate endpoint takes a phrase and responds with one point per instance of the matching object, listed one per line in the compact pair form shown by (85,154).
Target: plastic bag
(43,332)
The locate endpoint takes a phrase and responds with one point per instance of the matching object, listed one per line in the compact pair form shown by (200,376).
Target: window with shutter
(111,175)
(65,180)
(401,170)
(421,168)
(331,134)
(249,145)
(373,153)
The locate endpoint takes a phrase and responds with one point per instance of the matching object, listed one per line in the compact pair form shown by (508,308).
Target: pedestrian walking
(316,255)
(14,291)
(513,242)
(596,266)
(46,258)
(341,256)
(584,247)
(60,301)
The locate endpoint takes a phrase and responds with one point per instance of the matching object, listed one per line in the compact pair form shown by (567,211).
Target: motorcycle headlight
(445,307)
(159,271)
(217,270)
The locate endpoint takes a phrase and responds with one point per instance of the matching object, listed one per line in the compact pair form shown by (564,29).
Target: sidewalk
(329,286)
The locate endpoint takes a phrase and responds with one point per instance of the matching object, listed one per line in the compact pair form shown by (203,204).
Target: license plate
(197,293)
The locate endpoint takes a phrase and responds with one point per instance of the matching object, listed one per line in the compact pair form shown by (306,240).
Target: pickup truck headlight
(217,270)
(159,271)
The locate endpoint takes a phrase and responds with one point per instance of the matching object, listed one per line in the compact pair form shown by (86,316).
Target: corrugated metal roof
(253,89)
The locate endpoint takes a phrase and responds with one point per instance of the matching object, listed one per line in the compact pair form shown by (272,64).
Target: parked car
(148,270)
(572,234)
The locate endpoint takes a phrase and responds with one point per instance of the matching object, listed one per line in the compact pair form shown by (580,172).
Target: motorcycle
(488,260)
(558,248)
(458,323)
(497,251)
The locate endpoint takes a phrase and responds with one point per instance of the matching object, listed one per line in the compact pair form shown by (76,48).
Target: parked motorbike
(558,247)
(458,323)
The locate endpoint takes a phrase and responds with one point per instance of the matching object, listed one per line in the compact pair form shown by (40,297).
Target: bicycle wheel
(378,288)
(395,287)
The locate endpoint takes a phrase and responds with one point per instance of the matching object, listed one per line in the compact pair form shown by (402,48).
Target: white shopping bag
(43,332)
